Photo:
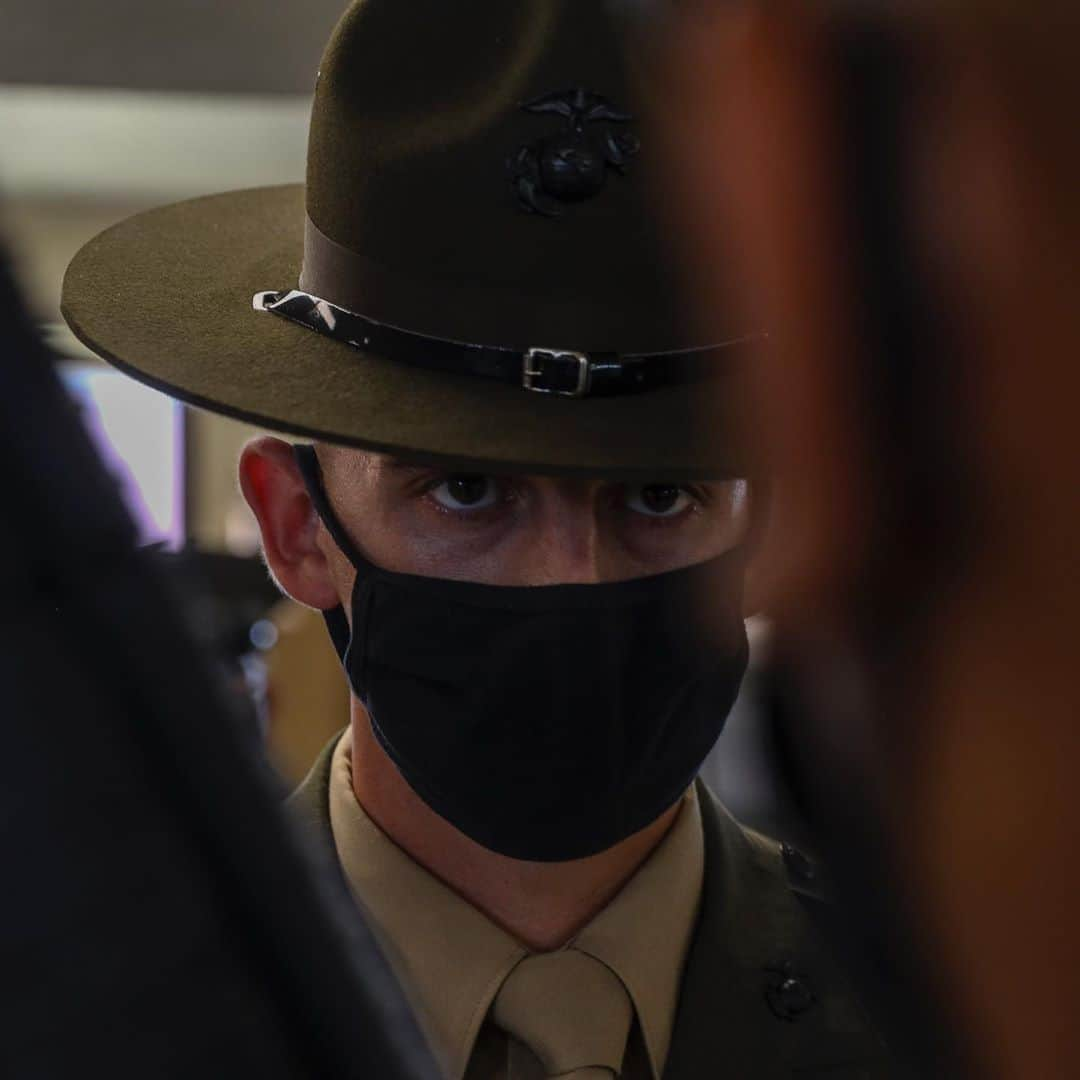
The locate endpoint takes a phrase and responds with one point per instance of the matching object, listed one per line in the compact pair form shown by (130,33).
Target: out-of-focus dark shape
(157,916)
(894,196)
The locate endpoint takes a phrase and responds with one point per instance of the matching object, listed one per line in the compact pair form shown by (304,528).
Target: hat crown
(475,170)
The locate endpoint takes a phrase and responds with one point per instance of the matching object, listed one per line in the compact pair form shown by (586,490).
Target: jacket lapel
(740,1015)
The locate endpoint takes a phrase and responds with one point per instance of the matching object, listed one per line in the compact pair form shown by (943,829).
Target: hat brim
(167,297)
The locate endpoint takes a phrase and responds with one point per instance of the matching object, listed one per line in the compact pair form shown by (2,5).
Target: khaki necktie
(570,1010)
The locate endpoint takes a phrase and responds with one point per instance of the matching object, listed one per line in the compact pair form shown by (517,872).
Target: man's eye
(658,500)
(466,492)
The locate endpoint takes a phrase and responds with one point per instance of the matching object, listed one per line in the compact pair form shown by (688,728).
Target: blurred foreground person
(508,519)
(902,199)
(158,915)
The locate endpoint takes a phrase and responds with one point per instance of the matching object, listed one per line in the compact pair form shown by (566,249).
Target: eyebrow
(393,464)
(398,465)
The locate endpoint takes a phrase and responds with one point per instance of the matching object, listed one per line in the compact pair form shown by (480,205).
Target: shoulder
(763,953)
(751,861)
(801,873)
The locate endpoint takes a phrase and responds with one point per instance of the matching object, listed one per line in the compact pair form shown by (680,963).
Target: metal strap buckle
(557,371)
(262,301)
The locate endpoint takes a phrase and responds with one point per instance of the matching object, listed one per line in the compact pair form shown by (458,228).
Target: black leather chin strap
(564,372)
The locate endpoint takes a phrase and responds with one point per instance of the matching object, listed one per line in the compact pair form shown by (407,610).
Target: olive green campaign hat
(475,271)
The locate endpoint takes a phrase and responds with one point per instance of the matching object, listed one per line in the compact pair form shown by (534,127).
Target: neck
(542,904)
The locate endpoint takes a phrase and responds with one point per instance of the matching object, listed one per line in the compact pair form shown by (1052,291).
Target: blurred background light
(140,435)
(146,145)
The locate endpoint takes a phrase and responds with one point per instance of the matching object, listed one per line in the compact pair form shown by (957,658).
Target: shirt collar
(645,932)
(451,958)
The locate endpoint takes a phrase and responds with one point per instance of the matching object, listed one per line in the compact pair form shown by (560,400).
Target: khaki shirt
(451,959)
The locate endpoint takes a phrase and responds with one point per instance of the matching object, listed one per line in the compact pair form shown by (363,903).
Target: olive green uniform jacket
(761,996)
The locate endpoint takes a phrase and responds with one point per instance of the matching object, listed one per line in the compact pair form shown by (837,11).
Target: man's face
(523,529)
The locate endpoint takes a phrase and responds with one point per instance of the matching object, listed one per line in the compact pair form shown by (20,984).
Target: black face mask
(545,722)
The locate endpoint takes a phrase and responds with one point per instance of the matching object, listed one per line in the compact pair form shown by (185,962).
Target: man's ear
(274,489)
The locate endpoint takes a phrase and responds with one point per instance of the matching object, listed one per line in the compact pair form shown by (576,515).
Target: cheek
(342,573)
(413,537)
(660,546)
(704,534)
(492,555)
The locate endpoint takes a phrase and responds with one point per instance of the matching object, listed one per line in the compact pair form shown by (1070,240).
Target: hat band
(544,370)
(512,303)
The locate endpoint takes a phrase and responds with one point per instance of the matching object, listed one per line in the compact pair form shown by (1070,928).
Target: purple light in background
(139,433)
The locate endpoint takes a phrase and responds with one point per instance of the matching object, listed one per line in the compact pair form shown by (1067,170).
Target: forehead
(353,466)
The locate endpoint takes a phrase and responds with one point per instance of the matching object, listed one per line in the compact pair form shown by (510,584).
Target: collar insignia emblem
(788,992)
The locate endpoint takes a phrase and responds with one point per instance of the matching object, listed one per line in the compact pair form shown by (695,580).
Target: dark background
(209,46)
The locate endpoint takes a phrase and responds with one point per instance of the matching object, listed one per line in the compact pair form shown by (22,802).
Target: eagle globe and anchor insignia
(571,165)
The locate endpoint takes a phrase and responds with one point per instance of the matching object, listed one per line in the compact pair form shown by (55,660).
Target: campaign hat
(477,270)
